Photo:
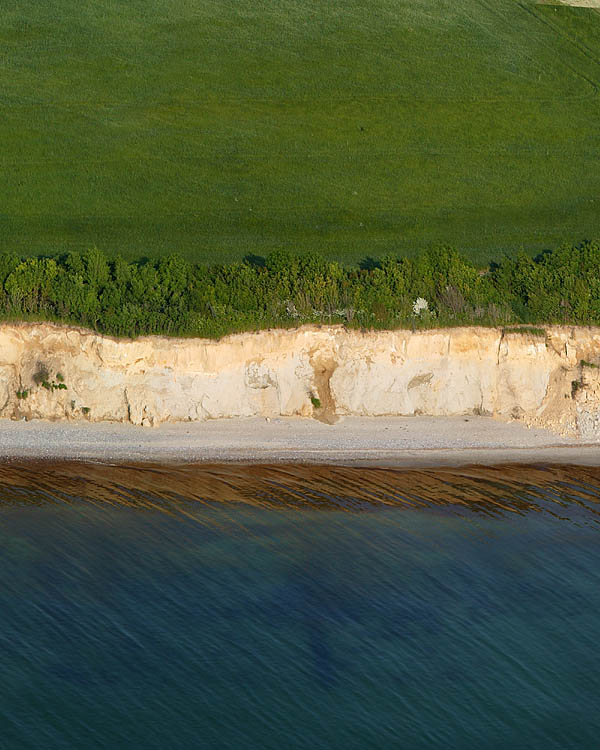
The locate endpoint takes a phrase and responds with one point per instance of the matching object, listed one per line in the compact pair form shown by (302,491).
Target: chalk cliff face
(56,372)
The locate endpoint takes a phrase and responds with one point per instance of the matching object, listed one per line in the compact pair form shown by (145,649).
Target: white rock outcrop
(552,380)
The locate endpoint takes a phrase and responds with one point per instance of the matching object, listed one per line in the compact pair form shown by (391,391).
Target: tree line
(172,296)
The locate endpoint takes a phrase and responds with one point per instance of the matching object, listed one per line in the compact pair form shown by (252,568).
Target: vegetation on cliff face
(174,297)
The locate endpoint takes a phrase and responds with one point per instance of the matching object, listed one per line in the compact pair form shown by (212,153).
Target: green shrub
(173,297)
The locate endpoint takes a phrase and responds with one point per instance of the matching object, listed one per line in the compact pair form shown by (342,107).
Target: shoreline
(387,442)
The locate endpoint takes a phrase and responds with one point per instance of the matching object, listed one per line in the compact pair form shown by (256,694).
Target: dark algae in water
(298,607)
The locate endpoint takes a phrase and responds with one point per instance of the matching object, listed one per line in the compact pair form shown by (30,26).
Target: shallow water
(312,608)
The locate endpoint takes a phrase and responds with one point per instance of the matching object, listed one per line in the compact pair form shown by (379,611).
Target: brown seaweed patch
(171,489)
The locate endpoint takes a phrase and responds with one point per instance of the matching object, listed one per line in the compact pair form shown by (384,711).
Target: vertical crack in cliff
(323,368)
(500,340)
(127,404)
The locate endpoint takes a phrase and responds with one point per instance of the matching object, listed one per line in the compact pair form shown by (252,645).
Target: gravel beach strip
(368,441)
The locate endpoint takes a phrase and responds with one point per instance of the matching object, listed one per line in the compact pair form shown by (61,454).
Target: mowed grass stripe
(224,128)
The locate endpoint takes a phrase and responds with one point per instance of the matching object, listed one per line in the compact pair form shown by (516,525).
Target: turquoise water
(233,626)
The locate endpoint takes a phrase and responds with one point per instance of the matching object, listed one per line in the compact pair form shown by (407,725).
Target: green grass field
(219,128)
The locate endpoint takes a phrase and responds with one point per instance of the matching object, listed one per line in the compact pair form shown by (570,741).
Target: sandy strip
(579,3)
(364,441)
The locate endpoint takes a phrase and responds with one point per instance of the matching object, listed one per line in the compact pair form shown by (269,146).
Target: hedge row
(174,297)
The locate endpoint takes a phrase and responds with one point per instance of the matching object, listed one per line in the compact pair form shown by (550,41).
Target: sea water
(232,625)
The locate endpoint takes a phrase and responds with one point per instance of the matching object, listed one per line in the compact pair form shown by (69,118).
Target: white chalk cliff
(56,372)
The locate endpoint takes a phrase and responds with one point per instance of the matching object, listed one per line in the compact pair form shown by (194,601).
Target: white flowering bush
(419,305)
